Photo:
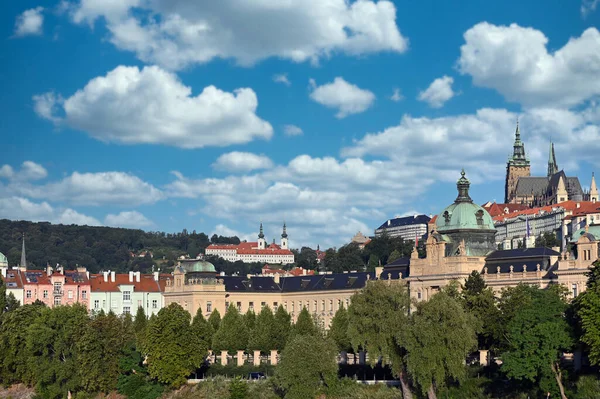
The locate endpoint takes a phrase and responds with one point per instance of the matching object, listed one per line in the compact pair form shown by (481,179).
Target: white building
(258,251)
(407,228)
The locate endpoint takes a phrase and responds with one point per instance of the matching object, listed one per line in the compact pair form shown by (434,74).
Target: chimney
(155,276)
(131,277)
(137,277)
(303,271)
(87,274)
(112,277)
(49,270)
(105,275)
(389,222)
(578,205)
(276,278)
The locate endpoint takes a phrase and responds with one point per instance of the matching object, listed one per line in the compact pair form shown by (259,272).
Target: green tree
(100,348)
(11,302)
(140,327)
(349,256)
(215,319)
(202,329)
(238,389)
(394,256)
(262,337)
(441,336)
(232,334)
(587,312)
(537,336)
(52,348)
(338,332)
(332,261)
(2,297)
(14,358)
(305,324)
(282,325)
(173,350)
(373,263)
(378,323)
(307,363)
(250,319)
(479,301)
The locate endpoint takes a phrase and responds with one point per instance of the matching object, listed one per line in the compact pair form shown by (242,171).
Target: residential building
(13,280)
(257,251)
(125,293)
(57,287)
(361,240)
(407,228)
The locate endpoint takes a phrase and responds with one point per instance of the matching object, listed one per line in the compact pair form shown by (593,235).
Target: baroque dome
(463,214)
(198,266)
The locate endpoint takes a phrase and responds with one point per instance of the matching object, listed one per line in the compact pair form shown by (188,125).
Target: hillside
(98,248)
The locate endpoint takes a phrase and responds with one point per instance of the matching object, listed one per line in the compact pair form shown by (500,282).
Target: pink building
(59,287)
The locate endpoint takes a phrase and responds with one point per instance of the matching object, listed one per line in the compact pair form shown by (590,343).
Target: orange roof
(576,208)
(146,283)
(495,209)
(13,279)
(248,248)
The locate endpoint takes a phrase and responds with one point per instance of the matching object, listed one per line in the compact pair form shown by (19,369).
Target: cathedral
(533,191)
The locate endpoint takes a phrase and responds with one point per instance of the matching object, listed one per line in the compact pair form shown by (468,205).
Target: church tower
(552,166)
(262,243)
(284,238)
(23,263)
(517,166)
(594,197)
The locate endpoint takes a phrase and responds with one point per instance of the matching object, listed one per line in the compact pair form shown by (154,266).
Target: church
(533,191)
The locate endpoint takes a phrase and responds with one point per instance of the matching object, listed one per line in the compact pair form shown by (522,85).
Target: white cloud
(588,7)
(292,130)
(30,22)
(114,188)
(347,98)
(222,230)
(29,171)
(397,95)
(282,78)
(186,32)
(515,61)
(19,208)
(438,92)
(129,219)
(132,106)
(242,162)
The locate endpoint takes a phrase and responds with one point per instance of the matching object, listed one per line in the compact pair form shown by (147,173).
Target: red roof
(495,209)
(146,283)
(576,208)
(248,248)
(14,276)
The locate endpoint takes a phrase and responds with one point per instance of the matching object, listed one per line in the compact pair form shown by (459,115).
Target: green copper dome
(463,214)
(198,266)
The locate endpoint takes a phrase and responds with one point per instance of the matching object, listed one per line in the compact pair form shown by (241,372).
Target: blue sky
(331,115)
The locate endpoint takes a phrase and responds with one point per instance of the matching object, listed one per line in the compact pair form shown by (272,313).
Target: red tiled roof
(14,276)
(495,209)
(576,208)
(248,248)
(146,283)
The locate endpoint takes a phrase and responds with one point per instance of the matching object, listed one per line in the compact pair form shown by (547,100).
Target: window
(45,294)
(239,306)
(28,294)
(154,304)
(104,303)
(84,294)
(126,296)
(226,306)
(331,305)
(263,304)
(96,304)
(251,306)
(56,301)
(275,305)
(139,303)
(574,288)
(209,307)
(185,305)
(323,305)
(70,294)
(126,310)
(419,296)
(316,306)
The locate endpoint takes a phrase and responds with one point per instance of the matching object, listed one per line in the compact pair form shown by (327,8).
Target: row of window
(45,294)
(114,305)
(292,308)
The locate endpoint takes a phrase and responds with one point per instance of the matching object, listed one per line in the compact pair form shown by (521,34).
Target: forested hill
(98,248)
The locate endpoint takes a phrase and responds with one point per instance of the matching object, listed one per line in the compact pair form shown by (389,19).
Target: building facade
(258,251)
(407,228)
(57,287)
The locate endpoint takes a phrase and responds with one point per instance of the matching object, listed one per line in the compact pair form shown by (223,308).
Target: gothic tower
(284,238)
(262,243)
(517,166)
(552,166)
(594,190)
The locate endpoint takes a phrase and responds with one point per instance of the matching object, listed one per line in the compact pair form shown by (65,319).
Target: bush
(231,370)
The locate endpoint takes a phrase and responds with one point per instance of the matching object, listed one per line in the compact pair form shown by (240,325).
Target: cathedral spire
(23,257)
(594,197)
(261,234)
(552,166)
(518,157)
(284,234)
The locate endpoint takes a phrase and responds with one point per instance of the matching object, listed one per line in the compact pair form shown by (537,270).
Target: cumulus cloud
(29,171)
(30,22)
(396,95)
(242,162)
(129,219)
(292,130)
(19,208)
(438,92)
(515,61)
(152,106)
(113,188)
(186,32)
(346,97)
(282,78)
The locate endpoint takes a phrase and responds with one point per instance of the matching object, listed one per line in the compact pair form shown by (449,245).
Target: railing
(57,292)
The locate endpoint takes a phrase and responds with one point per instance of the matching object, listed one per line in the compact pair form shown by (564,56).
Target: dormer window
(446,216)
(479,217)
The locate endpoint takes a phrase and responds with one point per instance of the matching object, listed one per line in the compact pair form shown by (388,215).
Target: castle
(533,191)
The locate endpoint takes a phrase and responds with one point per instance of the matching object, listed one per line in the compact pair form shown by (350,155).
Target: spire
(23,257)
(593,190)
(261,234)
(518,157)
(552,166)
(284,234)
(463,185)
